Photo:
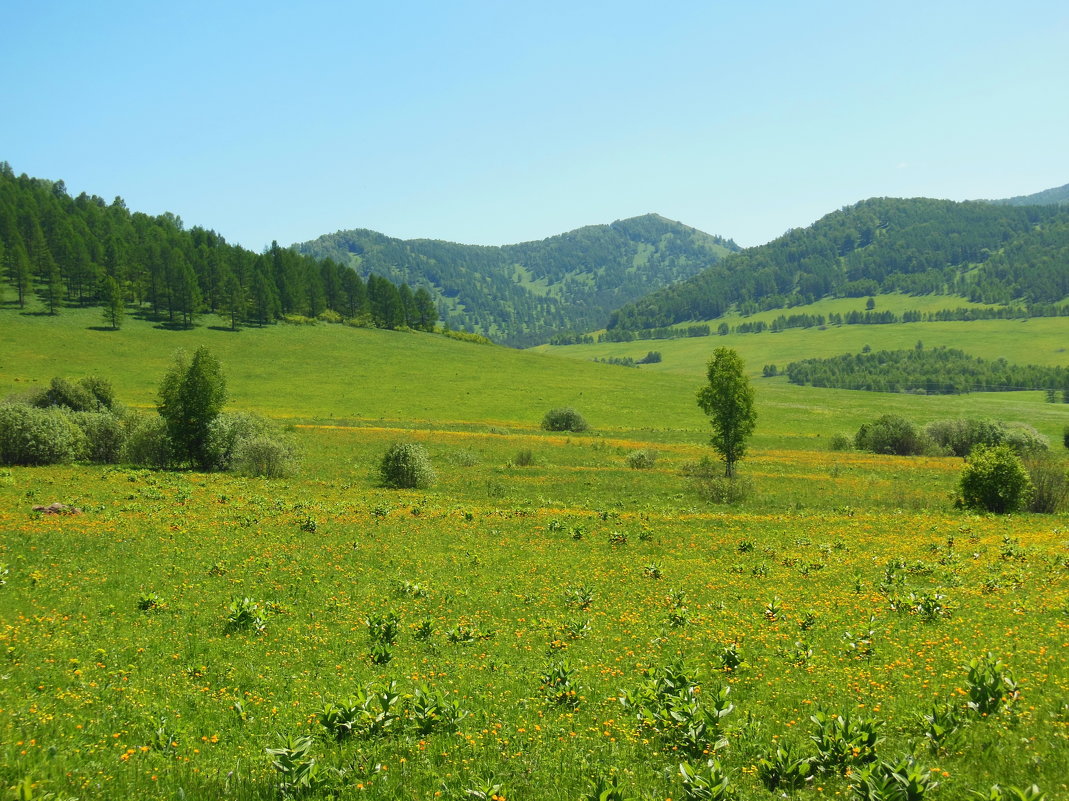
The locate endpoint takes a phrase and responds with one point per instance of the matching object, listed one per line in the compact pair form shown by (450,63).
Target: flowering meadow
(557,626)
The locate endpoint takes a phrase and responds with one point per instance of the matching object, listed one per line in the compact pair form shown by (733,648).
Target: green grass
(317,373)
(102,699)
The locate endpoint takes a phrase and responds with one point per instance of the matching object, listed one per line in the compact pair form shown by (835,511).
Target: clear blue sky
(494,122)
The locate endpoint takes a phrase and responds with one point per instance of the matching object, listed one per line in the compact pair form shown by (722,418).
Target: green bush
(33,436)
(89,394)
(104,436)
(148,444)
(1065,437)
(1024,439)
(894,435)
(228,431)
(724,489)
(267,456)
(406,466)
(1050,483)
(524,458)
(840,442)
(994,480)
(564,419)
(959,437)
(642,459)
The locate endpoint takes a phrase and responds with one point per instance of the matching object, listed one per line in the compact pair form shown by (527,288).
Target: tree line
(933,371)
(85,251)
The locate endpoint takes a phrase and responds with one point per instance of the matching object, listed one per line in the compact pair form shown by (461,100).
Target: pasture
(514,627)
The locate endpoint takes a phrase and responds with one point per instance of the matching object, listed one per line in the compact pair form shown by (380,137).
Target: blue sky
(495,122)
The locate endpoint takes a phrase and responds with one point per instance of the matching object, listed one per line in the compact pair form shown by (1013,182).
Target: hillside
(977,250)
(522,294)
(66,251)
(1057,196)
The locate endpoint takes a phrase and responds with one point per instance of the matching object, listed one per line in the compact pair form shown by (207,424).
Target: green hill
(522,294)
(373,377)
(83,251)
(1057,196)
(981,251)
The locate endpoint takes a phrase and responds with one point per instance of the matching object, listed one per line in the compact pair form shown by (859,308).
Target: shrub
(1065,437)
(959,437)
(564,419)
(406,466)
(1050,483)
(840,442)
(89,394)
(227,432)
(994,480)
(32,436)
(642,459)
(104,436)
(724,489)
(892,434)
(148,443)
(1024,439)
(265,455)
(524,458)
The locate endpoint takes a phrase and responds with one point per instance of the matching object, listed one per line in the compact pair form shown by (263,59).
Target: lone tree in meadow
(191,396)
(728,399)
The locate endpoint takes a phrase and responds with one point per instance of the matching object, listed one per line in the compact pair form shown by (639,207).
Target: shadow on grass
(107,328)
(225,328)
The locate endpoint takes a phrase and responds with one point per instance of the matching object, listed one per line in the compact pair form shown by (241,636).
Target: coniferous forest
(86,251)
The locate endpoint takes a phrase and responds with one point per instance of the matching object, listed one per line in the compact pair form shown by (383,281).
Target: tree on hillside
(232,299)
(426,311)
(728,399)
(114,304)
(191,396)
(19,270)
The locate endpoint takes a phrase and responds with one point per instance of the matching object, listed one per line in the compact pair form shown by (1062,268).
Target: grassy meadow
(517,631)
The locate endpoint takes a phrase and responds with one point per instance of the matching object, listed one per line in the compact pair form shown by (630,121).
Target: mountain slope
(521,294)
(979,250)
(1058,196)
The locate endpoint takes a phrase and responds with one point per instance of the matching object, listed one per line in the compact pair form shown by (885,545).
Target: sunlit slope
(338,374)
(335,372)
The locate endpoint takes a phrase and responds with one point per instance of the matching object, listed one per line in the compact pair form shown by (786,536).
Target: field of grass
(1036,341)
(523,603)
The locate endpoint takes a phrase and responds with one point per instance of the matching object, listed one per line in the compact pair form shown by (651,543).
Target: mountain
(522,294)
(1058,196)
(984,251)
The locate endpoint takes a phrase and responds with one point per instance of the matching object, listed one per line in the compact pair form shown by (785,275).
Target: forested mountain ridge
(979,250)
(1057,196)
(522,294)
(84,251)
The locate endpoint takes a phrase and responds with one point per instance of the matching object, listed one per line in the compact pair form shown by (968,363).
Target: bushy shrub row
(895,435)
(61,425)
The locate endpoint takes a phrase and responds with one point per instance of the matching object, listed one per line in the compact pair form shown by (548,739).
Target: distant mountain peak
(523,294)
